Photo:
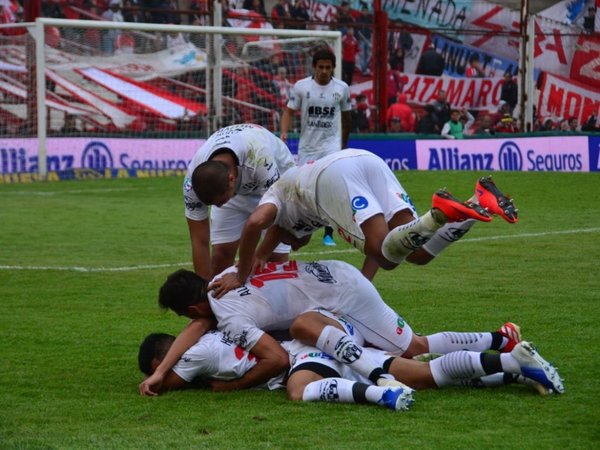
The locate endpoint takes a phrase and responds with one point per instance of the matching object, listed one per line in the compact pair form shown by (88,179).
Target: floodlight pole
(526,67)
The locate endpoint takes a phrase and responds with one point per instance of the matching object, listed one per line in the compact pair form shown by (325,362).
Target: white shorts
(227,222)
(352,190)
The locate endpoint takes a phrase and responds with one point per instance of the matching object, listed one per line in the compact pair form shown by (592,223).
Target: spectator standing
(109,37)
(427,124)
(431,62)
(403,113)
(474,69)
(281,14)
(364,35)
(361,115)
(350,49)
(283,86)
(455,128)
(486,126)
(395,84)
(441,109)
(509,91)
(589,21)
(344,17)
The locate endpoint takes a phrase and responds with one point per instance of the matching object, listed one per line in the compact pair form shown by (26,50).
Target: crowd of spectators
(269,81)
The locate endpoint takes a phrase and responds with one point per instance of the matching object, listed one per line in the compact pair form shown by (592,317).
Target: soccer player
(273,298)
(324,102)
(357,193)
(230,171)
(215,360)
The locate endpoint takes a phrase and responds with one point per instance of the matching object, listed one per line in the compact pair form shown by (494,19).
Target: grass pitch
(81,263)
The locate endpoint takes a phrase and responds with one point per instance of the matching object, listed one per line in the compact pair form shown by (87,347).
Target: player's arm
(262,217)
(188,337)
(272,360)
(273,237)
(200,237)
(286,121)
(346,127)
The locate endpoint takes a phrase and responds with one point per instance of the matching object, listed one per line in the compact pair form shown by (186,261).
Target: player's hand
(223,285)
(151,385)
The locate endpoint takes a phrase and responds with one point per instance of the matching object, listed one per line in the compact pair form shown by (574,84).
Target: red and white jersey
(321,108)
(295,195)
(272,298)
(216,357)
(262,157)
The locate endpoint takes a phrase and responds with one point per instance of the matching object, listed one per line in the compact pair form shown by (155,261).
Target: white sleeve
(346,103)
(198,360)
(295,100)
(446,131)
(194,208)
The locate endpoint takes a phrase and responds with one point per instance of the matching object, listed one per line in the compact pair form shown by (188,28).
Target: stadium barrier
(93,157)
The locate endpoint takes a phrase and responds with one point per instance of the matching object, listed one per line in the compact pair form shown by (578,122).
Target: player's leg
(328,335)
(454,368)
(503,340)
(314,376)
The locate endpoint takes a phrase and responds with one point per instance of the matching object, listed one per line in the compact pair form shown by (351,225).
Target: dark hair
(323,53)
(209,180)
(156,346)
(182,288)
(474,57)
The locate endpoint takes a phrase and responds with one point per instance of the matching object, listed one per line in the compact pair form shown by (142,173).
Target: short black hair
(209,180)
(182,289)
(474,57)
(323,53)
(155,345)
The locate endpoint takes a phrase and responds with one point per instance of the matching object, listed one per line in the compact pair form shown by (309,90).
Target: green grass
(69,338)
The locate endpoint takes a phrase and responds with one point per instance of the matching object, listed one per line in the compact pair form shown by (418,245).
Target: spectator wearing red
(281,14)
(403,113)
(395,84)
(350,49)
(474,70)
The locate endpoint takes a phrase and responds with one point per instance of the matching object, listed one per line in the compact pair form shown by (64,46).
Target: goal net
(108,79)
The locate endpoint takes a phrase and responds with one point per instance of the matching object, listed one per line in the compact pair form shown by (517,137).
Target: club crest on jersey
(336,96)
(320,271)
(359,202)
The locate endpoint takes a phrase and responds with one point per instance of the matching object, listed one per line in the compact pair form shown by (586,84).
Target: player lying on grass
(280,293)
(314,375)
(244,160)
(355,192)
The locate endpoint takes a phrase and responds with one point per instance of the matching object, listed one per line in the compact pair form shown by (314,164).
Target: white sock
(338,344)
(456,367)
(342,390)
(509,363)
(405,239)
(448,234)
(450,341)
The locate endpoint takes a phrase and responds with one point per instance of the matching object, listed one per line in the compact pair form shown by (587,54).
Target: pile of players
(319,329)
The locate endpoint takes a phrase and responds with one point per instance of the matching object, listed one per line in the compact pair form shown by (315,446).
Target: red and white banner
(470,93)
(562,98)
(585,67)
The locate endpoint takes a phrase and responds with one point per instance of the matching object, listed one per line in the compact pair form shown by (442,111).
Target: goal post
(138,80)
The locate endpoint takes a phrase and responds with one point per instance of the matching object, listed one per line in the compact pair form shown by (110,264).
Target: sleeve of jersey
(242,331)
(346,104)
(266,170)
(194,208)
(295,100)
(200,360)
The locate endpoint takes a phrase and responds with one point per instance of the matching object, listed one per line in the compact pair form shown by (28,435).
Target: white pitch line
(299,254)
(75,191)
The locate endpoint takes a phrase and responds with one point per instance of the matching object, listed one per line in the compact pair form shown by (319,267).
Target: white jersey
(274,297)
(216,357)
(321,108)
(262,157)
(296,197)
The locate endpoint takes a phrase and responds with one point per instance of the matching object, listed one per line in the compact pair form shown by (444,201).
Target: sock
(493,380)
(328,232)
(450,341)
(509,363)
(338,344)
(455,368)
(405,239)
(449,233)
(343,391)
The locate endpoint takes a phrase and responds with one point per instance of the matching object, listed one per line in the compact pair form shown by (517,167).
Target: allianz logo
(508,157)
